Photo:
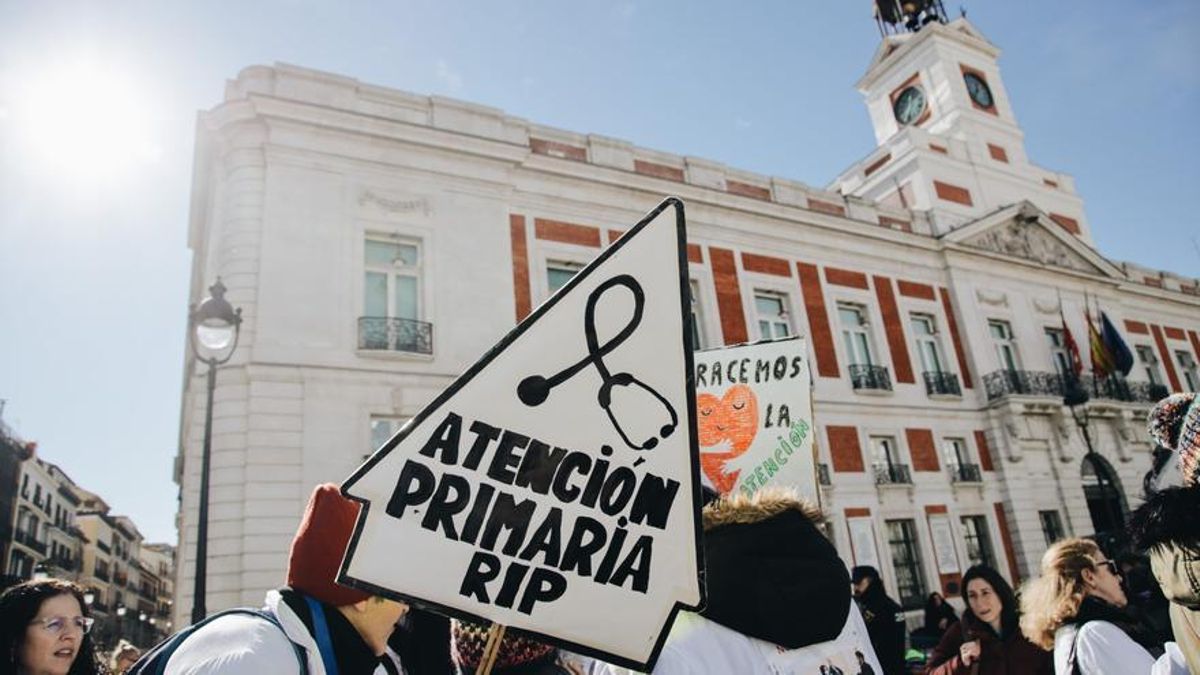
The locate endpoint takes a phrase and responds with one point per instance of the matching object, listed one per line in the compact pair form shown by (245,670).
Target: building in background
(378,242)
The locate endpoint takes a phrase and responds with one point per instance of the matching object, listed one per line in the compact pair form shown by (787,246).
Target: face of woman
(1105,583)
(45,650)
(984,602)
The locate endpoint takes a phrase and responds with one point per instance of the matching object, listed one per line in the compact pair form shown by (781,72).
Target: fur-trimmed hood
(1170,515)
(738,509)
(770,572)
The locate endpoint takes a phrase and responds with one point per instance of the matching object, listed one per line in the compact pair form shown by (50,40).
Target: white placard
(754,413)
(862,541)
(942,537)
(554,487)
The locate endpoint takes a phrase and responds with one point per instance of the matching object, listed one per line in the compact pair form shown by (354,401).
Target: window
(1149,363)
(979,544)
(559,273)
(906,561)
(1058,352)
(955,451)
(25,486)
(855,336)
(888,467)
(924,329)
(382,430)
(770,309)
(1051,526)
(698,341)
(393,272)
(1006,347)
(1187,365)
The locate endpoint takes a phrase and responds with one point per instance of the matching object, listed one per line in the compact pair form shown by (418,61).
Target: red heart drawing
(729,423)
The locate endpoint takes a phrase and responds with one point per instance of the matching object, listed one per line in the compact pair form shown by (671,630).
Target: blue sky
(94,189)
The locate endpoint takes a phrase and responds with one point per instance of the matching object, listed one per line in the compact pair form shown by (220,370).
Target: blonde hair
(123,647)
(1053,599)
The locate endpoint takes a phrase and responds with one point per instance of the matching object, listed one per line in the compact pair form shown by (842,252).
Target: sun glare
(83,120)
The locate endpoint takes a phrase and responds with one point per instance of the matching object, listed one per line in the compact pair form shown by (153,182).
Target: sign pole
(492,649)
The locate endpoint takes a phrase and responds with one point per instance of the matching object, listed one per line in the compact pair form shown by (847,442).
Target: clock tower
(947,135)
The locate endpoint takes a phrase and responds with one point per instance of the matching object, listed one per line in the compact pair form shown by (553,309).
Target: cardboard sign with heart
(754,417)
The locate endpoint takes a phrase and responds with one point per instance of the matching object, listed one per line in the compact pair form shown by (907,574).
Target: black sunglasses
(1112,567)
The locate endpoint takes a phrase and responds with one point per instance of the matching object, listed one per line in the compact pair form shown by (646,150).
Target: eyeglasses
(57,624)
(1112,567)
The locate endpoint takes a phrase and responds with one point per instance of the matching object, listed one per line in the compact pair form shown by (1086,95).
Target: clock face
(909,105)
(978,90)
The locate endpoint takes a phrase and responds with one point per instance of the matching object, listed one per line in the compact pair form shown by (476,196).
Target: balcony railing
(396,335)
(102,576)
(892,474)
(870,377)
(965,473)
(1050,385)
(823,474)
(64,564)
(938,383)
(28,539)
(103,547)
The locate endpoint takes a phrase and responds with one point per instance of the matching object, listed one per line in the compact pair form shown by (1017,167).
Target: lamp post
(213,329)
(40,572)
(1075,395)
(121,610)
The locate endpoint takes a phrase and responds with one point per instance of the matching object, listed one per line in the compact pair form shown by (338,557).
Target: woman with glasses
(44,630)
(1077,607)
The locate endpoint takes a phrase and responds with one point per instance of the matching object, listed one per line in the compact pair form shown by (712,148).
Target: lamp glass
(214,334)
(89,597)
(121,610)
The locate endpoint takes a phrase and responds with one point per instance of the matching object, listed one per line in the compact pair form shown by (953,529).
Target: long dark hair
(1009,609)
(21,603)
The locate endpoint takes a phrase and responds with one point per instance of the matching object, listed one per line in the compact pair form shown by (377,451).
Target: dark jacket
(935,614)
(1013,654)
(885,626)
(771,574)
(1168,527)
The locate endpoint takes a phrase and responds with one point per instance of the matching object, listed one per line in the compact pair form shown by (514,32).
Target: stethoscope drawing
(534,390)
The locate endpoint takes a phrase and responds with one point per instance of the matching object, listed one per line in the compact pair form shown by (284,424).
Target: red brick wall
(818,319)
(1137,327)
(912,289)
(844,449)
(893,326)
(1006,539)
(998,153)
(952,193)
(556,149)
(840,277)
(985,451)
(764,264)
(1174,333)
(877,164)
(826,207)
(1067,223)
(1165,355)
(658,170)
(729,295)
(520,256)
(734,187)
(952,324)
(923,451)
(895,223)
(1195,340)
(566,233)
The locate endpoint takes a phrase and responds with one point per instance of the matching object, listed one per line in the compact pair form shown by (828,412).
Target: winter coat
(1177,568)
(248,645)
(775,585)
(1011,655)
(885,624)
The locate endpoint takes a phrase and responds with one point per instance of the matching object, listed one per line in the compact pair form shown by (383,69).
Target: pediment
(1025,232)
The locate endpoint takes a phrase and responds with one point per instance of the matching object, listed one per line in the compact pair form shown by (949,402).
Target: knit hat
(319,546)
(468,640)
(1175,423)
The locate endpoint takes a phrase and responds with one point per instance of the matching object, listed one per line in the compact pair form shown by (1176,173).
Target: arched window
(1104,495)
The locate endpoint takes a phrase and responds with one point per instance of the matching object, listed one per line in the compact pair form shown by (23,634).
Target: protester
(1167,525)
(774,583)
(356,624)
(1076,608)
(421,642)
(885,620)
(988,639)
(864,668)
(939,616)
(44,628)
(123,656)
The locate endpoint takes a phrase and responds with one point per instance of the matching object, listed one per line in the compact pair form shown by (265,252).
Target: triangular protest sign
(554,487)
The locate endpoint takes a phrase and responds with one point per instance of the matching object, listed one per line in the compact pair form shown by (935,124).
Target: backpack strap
(321,630)
(1072,656)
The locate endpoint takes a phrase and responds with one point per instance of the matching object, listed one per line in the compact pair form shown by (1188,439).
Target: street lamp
(40,572)
(1075,395)
(213,329)
(89,596)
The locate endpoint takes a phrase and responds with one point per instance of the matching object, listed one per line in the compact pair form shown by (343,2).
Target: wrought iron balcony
(64,564)
(892,474)
(1022,382)
(870,377)
(965,473)
(28,539)
(395,335)
(823,474)
(103,546)
(101,575)
(938,383)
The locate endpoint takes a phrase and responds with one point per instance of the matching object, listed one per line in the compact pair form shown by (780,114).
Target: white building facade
(379,242)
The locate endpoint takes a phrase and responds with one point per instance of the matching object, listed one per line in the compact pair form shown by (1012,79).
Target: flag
(1102,359)
(1075,362)
(1122,356)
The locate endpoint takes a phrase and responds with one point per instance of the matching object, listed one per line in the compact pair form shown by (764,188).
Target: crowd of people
(775,586)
